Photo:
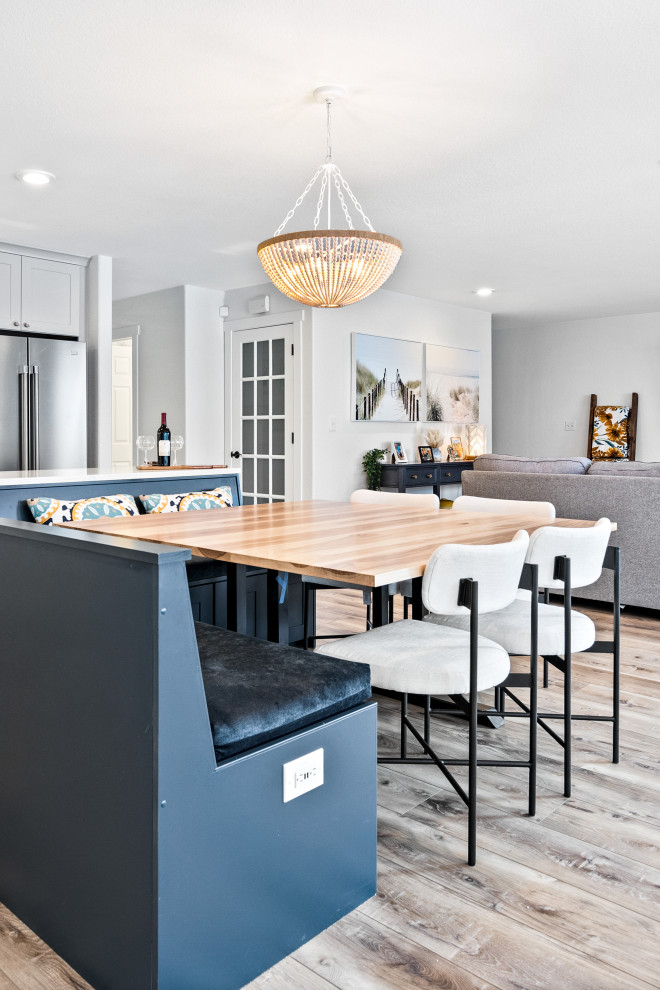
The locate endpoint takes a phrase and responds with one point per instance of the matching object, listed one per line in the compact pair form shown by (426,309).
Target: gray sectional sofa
(626,492)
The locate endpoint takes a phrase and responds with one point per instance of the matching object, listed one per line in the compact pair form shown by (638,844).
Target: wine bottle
(164,442)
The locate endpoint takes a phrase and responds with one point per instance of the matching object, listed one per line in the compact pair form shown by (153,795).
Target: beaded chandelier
(329,268)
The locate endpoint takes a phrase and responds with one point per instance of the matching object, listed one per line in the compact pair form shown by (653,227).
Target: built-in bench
(207,579)
(258,691)
(144,832)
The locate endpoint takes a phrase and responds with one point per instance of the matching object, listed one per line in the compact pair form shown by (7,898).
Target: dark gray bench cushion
(257,691)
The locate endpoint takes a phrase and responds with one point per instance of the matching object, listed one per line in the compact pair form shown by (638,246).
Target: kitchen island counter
(82,475)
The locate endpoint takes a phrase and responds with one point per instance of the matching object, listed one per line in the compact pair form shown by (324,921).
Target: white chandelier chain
(340,194)
(354,200)
(299,201)
(319,205)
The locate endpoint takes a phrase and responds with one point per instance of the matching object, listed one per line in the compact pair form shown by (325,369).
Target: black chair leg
(567,679)
(404,736)
(533,693)
(405,608)
(616,658)
(390,608)
(546,668)
(472,781)
(427,719)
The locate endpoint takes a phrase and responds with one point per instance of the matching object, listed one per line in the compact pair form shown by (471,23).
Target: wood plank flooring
(567,901)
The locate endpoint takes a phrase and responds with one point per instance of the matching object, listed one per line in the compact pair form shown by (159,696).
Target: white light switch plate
(569,425)
(302,775)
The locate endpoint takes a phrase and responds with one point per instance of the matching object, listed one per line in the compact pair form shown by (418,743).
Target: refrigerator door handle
(24,416)
(34,417)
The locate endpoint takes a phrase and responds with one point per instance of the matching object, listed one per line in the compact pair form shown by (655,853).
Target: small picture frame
(425,454)
(399,452)
(437,453)
(455,449)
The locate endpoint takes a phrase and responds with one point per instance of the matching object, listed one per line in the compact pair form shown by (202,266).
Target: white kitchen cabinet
(10,291)
(39,295)
(51,297)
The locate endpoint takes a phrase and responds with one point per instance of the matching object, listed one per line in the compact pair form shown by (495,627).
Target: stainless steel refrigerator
(43,403)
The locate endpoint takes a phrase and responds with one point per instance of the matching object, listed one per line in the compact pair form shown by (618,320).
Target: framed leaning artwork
(612,431)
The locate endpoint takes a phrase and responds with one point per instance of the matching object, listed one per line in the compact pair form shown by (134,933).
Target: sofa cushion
(532,465)
(216,498)
(48,511)
(626,469)
(257,691)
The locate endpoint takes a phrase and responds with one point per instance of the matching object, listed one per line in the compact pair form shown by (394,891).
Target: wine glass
(145,443)
(176,444)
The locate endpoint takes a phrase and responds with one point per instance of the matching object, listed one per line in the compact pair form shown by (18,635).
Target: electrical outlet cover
(302,775)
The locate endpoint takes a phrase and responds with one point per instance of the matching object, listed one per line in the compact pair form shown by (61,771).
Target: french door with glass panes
(262,412)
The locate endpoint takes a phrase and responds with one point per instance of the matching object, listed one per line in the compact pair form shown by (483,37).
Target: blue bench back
(13,498)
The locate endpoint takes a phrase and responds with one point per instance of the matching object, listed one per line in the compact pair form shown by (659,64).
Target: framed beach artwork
(452,384)
(387,379)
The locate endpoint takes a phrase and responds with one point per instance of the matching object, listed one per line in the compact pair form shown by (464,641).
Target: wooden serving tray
(180,467)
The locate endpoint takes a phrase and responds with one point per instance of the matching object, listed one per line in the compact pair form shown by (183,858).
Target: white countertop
(74,475)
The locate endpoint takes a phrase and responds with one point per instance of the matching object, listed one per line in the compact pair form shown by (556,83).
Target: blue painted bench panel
(125,845)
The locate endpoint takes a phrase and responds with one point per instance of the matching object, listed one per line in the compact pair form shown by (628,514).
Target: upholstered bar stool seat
(511,627)
(434,658)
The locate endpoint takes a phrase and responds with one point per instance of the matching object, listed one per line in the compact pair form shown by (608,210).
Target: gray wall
(544,375)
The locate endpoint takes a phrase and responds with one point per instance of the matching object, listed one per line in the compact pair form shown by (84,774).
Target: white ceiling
(509,143)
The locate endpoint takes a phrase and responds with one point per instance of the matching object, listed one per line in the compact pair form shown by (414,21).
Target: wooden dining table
(361,544)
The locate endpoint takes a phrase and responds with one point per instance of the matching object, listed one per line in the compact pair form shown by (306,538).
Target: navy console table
(430,474)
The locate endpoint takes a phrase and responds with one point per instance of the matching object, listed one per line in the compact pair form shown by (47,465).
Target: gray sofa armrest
(632,503)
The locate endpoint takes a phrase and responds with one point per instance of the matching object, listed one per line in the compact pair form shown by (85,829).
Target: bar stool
(566,558)
(415,657)
(398,500)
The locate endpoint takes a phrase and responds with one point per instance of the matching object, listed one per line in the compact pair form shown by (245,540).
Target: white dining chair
(504,506)
(567,558)
(397,500)
(420,658)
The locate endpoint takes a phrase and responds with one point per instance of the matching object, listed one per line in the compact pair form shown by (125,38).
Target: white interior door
(262,431)
(122,405)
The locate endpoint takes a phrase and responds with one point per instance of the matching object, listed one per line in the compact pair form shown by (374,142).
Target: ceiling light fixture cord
(329,168)
(328,157)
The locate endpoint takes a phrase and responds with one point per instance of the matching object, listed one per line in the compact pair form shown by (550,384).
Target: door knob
(25,324)
(235,453)
(16,323)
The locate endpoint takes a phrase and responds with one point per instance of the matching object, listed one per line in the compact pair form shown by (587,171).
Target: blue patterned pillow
(217,498)
(48,511)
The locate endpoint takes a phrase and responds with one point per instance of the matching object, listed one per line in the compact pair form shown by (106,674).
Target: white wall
(181,366)
(544,375)
(161,356)
(337,455)
(204,377)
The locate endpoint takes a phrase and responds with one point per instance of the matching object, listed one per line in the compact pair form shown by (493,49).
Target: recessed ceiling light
(35,176)
(484,291)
